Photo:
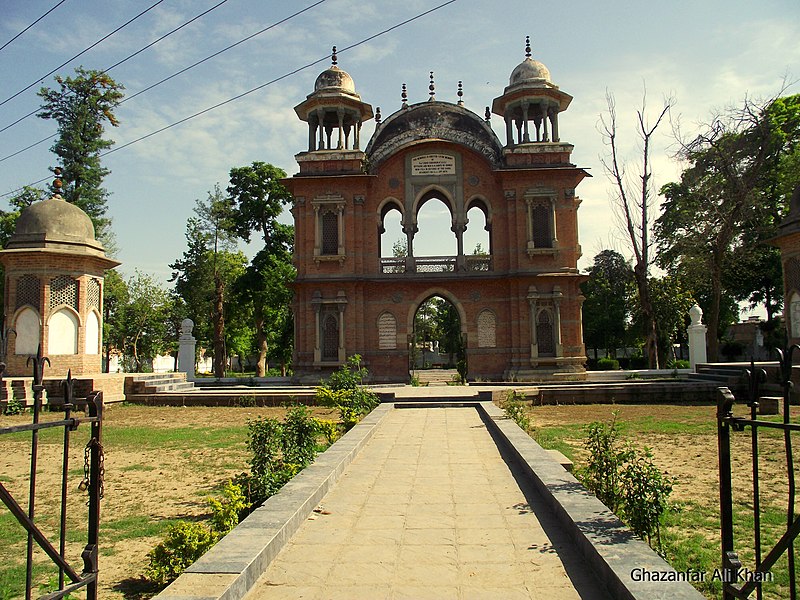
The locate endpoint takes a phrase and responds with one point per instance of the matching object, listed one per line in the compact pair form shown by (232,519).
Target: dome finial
(460,94)
(404,96)
(377,115)
(527,46)
(432,88)
(57,183)
(334,59)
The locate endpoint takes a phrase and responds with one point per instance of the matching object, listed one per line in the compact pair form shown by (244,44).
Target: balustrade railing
(436,264)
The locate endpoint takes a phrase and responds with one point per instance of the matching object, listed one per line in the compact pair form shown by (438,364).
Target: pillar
(697,337)
(186,350)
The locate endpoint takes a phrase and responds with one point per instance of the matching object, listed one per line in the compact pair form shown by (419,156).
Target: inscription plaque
(433,164)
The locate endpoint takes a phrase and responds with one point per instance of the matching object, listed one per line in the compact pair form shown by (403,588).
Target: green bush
(186,541)
(607,364)
(515,408)
(299,439)
(626,480)
(344,390)
(678,364)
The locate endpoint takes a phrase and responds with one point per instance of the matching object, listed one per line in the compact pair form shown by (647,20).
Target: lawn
(161,465)
(684,442)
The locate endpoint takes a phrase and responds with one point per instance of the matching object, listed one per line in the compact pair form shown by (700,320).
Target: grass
(690,532)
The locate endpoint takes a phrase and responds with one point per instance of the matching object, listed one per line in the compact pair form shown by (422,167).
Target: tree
(635,208)
(256,200)
(115,298)
(671,301)
(605,309)
(729,198)
(143,318)
(81,106)
(207,269)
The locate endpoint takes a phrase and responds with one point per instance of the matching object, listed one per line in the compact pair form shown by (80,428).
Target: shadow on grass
(137,588)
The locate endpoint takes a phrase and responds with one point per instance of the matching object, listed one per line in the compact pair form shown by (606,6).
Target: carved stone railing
(436,264)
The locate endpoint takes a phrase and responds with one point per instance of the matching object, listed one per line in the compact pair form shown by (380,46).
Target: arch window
(63,332)
(329,228)
(28,330)
(541,217)
(330,338)
(92,341)
(544,333)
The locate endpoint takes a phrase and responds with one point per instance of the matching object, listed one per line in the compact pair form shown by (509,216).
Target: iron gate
(91,483)
(738,580)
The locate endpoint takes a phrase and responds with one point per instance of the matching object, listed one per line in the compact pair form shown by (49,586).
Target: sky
(705,54)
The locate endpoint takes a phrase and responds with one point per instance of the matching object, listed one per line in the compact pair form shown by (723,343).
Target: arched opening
(28,329)
(436,342)
(477,238)
(63,332)
(92,341)
(434,235)
(394,244)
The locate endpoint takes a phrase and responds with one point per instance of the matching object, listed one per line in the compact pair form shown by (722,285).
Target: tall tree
(257,197)
(605,309)
(727,199)
(144,318)
(81,106)
(635,206)
(115,298)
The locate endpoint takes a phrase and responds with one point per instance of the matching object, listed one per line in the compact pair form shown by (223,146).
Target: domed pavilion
(54,269)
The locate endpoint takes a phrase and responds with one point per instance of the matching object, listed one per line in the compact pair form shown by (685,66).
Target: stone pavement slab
(429,509)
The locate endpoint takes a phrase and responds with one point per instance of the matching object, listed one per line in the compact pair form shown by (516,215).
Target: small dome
(529,71)
(335,78)
(56,219)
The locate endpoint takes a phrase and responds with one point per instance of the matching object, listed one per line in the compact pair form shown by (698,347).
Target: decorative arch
(62,331)
(430,293)
(483,204)
(28,326)
(545,332)
(92,333)
(429,193)
(385,207)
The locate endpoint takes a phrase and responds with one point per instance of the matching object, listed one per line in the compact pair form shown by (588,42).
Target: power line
(116,64)
(255,89)
(150,87)
(82,52)
(3,47)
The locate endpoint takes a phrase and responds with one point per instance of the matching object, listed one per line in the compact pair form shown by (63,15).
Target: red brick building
(519,306)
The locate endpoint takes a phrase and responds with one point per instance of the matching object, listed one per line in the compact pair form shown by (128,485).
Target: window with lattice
(63,292)
(330,338)
(541,217)
(28,292)
(330,232)
(93,294)
(544,334)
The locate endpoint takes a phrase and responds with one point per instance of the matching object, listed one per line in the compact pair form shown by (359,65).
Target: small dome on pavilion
(529,70)
(55,219)
(335,78)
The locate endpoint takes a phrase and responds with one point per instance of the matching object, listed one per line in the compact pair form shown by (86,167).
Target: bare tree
(634,205)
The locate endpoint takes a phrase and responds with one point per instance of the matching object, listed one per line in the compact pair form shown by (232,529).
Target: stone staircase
(434,377)
(146,384)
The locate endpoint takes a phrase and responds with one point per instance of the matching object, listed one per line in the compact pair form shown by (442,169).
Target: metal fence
(92,483)
(739,580)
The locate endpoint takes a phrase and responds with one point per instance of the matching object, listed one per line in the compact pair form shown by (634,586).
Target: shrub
(515,409)
(299,439)
(186,541)
(344,390)
(678,364)
(607,364)
(626,480)
(14,407)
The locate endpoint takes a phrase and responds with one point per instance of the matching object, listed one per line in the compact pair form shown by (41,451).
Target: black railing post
(90,553)
(755,377)
(730,563)
(786,381)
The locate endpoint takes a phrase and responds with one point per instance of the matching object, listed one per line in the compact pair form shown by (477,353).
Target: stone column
(186,349)
(697,337)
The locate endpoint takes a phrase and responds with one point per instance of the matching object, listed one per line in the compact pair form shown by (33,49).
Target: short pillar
(186,349)
(697,338)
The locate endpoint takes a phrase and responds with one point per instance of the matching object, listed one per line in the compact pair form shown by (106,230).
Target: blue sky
(705,54)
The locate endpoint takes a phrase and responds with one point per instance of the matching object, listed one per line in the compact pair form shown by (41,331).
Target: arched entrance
(437,340)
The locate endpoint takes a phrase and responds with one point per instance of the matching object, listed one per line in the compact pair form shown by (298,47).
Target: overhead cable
(82,52)
(255,89)
(3,47)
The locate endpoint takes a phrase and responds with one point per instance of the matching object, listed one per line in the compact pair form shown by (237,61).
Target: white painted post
(697,338)
(186,349)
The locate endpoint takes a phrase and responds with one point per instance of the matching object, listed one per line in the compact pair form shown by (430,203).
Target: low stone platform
(430,501)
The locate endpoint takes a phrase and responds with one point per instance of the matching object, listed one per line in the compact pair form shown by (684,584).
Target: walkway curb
(232,566)
(611,549)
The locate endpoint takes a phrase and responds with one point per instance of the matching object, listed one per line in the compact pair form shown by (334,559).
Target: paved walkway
(428,509)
